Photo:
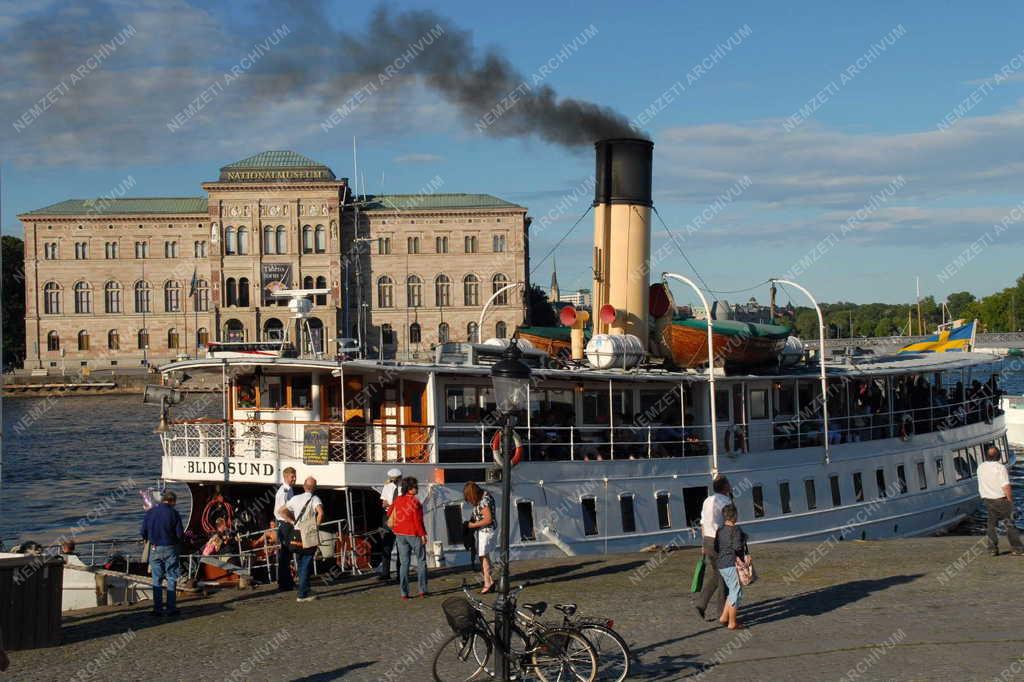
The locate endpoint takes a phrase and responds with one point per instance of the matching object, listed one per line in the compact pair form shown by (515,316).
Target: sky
(854,148)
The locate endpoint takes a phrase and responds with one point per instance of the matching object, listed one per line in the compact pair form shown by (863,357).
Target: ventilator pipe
(576,320)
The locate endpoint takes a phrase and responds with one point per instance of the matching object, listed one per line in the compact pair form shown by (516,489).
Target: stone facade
(108,281)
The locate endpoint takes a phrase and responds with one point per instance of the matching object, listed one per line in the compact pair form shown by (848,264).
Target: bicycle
(613,655)
(537,651)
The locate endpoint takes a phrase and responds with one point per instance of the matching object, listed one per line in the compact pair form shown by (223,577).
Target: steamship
(622,436)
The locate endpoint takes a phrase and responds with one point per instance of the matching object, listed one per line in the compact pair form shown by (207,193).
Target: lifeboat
(736,344)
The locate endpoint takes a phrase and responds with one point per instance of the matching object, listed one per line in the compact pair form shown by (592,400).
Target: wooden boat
(552,340)
(736,344)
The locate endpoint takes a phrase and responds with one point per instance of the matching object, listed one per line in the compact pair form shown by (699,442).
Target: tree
(539,311)
(958,303)
(12,253)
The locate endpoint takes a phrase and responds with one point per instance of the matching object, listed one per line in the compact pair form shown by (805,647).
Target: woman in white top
(483,524)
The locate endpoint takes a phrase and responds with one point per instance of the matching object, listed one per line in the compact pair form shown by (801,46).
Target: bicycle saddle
(536,608)
(568,609)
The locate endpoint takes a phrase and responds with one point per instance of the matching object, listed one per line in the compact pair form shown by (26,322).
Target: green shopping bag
(698,576)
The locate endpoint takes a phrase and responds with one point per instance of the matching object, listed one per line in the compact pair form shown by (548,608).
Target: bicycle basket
(461,615)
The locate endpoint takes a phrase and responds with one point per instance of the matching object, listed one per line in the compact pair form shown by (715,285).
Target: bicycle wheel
(563,656)
(612,652)
(463,658)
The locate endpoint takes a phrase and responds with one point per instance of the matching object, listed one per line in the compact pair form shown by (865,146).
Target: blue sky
(793,191)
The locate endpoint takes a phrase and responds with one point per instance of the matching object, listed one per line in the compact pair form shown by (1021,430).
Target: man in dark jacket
(162,528)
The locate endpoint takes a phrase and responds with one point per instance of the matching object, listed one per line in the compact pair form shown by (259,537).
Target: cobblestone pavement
(923,609)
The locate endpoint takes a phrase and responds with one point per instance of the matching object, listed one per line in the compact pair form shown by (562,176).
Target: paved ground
(927,609)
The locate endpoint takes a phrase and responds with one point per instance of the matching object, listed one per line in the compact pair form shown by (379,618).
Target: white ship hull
(1014,409)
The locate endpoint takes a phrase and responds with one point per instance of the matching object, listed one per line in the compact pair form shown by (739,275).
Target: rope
(680,248)
(559,242)
(740,291)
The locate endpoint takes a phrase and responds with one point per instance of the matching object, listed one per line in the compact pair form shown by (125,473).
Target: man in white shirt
(995,491)
(298,508)
(710,521)
(387,538)
(284,532)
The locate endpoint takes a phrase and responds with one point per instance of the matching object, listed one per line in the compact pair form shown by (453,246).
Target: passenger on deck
(266,543)
(220,541)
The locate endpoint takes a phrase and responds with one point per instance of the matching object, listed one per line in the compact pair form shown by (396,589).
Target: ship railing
(348,550)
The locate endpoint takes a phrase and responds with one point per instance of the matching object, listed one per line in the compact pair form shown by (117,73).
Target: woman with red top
(406,521)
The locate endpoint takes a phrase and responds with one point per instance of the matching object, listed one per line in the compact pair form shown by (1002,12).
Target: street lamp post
(511,379)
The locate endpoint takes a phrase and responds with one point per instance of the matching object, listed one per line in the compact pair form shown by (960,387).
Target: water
(89,457)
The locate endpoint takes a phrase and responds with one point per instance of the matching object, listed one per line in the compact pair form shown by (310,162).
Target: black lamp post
(511,379)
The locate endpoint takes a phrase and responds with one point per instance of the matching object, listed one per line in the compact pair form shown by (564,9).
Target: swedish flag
(955,340)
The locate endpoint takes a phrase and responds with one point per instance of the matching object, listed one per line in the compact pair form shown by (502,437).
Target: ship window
(811,493)
(784,398)
(664,516)
(972,456)
(758,405)
(784,497)
(595,406)
(588,506)
(922,480)
(272,393)
(722,405)
(901,477)
(245,393)
(858,487)
(757,494)
(833,484)
(468,403)
(960,465)
(693,501)
(524,509)
(302,389)
(453,524)
(880,482)
(628,513)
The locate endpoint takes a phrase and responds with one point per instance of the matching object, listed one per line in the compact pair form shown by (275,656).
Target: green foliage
(12,254)
(540,313)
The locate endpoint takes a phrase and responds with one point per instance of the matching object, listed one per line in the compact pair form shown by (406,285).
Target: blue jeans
(732,582)
(305,570)
(163,563)
(409,545)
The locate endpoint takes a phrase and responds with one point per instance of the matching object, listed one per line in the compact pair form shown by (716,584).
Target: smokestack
(622,236)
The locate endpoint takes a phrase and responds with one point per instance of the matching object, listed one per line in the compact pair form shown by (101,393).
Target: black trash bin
(30,600)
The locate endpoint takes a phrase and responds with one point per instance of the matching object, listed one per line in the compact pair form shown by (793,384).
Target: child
(730,543)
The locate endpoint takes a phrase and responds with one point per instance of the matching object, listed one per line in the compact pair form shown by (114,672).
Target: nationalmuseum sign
(276,174)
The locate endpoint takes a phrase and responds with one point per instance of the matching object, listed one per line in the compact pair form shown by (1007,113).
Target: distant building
(578,299)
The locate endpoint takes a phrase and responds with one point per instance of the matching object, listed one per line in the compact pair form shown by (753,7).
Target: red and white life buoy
(496,448)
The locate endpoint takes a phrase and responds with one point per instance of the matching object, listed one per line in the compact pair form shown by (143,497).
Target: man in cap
(387,539)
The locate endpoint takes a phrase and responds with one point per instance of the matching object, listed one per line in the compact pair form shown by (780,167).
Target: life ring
(906,428)
(735,439)
(496,447)
(229,513)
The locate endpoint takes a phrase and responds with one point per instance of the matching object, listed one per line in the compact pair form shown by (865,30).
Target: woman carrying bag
(405,519)
(483,525)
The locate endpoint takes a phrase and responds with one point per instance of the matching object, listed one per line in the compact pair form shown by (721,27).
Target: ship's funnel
(622,235)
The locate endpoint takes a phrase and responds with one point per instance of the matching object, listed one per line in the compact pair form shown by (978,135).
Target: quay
(905,609)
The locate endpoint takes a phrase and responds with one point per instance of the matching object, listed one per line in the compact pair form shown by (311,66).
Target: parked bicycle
(613,655)
(537,651)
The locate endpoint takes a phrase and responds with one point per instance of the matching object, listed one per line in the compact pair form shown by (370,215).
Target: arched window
(414,291)
(385,292)
(441,244)
(83,297)
(321,239)
(53,341)
(234,330)
(307,239)
(113,340)
(470,243)
(112,297)
(273,330)
(202,294)
(471,290)
(230,292)
(471,333)
(143,339)
(173,342)
(499,243)
(442,291)
(282,239)
(268,239)
(51,298)
(307,282)
(413,244)
(172,297)
(243,241)
(83,340)
(202,337)
(321,283)
(243,292)
(142,297)
(316,332)
(500,330)
(497,282)
(442,332)
(414,333)
(388,337)
(229,241)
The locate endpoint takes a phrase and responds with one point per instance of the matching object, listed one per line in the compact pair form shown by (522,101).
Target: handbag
(698,576)
(309,530)
(145,552)
(745,570)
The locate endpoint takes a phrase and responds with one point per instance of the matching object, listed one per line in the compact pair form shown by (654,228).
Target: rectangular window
(960,465)
(524,510)
(922,480)
(722,405)
(901,478)
(693,502)
(858,487)
(940,472)
(833,484)
(784,398)
(757,494)
(758,405)
(784,497)
(302,392)
(811,493)
(664,515)
(453,524)
(628,513)
(588,505)
(880,482)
